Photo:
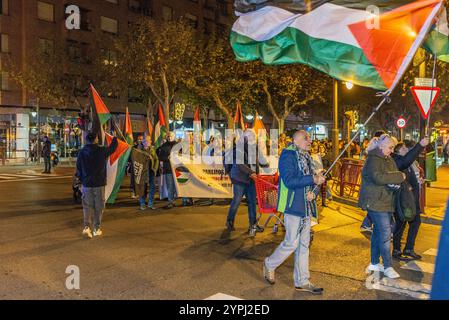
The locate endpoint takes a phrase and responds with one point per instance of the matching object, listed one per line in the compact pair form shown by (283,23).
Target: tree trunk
(281,125)
(225,110)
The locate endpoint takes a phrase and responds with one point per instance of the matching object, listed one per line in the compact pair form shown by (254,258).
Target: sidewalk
(437,197)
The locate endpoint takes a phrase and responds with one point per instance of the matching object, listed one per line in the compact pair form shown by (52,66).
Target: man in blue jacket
(91,170)
(297,202)
(243,174)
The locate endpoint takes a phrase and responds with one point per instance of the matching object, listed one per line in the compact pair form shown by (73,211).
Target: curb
(349,202)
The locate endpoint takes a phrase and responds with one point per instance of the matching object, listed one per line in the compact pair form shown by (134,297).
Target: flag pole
(386,98)
(431,93)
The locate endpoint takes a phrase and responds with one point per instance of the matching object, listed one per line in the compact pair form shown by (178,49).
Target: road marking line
(18,175)
(36,179)
(419,266)
(413,289)
(431,252)
(222,296)
(6,178)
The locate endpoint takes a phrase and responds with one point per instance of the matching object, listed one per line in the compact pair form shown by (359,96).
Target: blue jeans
(170,186)
(249,191)
(152,187)
(381,237)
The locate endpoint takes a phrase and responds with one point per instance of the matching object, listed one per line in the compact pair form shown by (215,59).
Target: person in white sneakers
(91,170)
(380,177)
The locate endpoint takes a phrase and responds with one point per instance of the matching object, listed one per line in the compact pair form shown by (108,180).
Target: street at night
(182,253)
(224,158)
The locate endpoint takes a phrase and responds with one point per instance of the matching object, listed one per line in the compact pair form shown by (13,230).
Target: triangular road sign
(423,96)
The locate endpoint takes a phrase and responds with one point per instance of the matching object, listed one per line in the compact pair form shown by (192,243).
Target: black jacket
(92,163)
(46,150)
(163,153)
(404,164)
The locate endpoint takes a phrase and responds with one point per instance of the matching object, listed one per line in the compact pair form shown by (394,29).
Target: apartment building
(27,25)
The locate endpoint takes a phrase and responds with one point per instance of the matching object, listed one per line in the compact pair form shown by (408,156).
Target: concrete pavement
(184,253)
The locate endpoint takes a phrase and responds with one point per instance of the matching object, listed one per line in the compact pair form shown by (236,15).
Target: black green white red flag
(160,129)
(339,37)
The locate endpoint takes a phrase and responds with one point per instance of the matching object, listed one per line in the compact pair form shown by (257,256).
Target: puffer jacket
(378,172)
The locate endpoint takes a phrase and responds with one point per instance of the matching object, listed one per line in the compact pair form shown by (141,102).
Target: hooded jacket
(378,172)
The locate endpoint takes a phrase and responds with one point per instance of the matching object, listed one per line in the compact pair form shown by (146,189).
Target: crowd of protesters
(390,168)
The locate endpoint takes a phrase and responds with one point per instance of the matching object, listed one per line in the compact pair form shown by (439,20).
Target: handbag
(405,204)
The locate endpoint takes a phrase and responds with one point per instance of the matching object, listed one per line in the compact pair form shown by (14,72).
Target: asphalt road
(183,253)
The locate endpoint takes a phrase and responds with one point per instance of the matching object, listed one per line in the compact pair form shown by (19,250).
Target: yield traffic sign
(425,98)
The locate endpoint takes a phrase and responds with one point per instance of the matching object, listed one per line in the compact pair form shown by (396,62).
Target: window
(109,25)
(46,46)
(167,13)
(46,11)
(193,20)
(4,80)
(4,43)
(109,57)
(4,7)
(77,52)
(223,7)
(209,4)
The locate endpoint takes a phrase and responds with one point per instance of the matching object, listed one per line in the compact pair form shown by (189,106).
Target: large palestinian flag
(438,40)
(338,37)
(116,168)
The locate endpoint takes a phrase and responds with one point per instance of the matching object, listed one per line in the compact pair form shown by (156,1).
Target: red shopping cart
(267,198)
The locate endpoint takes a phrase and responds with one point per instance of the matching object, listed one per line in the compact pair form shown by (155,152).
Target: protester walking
(46,154)
(243,173)
(91,170)
(405,156)
(298,203)
(380,178)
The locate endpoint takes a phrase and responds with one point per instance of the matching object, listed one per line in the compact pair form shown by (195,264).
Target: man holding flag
(91,170)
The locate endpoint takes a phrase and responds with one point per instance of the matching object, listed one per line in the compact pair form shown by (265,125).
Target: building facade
(28,25)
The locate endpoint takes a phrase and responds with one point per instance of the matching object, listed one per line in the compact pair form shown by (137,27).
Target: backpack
(405,204)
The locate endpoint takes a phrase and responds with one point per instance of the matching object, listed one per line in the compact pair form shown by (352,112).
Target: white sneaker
(375,268)
(87,232)
(391,273)
(97,232)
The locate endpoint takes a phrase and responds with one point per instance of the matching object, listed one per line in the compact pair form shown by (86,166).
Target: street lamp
(349,85)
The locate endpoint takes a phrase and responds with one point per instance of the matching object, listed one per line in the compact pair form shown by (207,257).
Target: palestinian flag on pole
(238,118)
(339,37)
(116,167)
(128,129)
(197,120)
(100,114)
(160,129)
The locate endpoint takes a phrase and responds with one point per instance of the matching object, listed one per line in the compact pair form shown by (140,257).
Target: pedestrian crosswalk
(415,281)
(14,177)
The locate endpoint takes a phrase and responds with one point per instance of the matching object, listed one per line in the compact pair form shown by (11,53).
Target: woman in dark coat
(405,154)
(380,177)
